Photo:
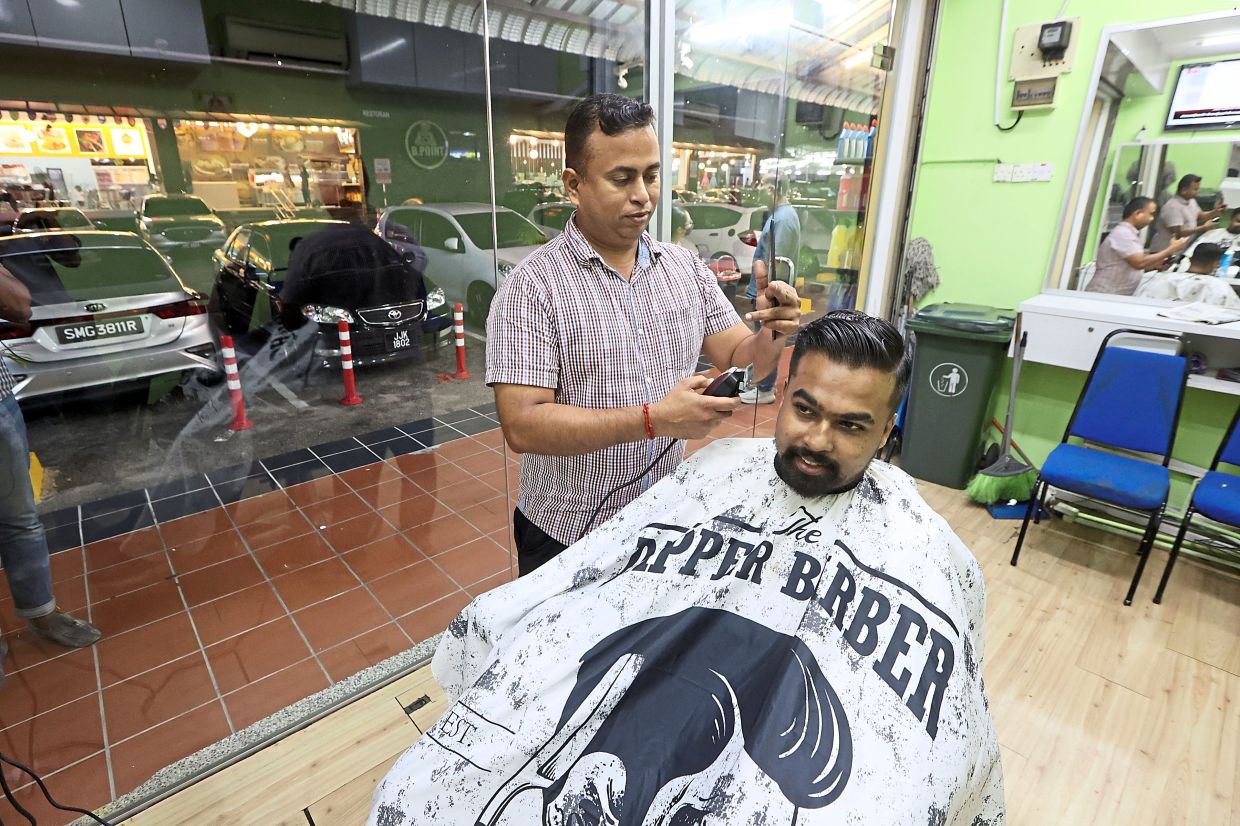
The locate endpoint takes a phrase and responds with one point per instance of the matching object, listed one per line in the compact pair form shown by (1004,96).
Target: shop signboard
(383,170)
(427,144)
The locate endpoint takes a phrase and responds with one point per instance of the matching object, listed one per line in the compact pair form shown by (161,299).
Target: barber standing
(593,340)
(1182,217)
(1122,259)
(23,546)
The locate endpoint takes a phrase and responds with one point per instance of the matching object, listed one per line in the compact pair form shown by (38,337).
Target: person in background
(23,545)
(682,225)
(1205,259)
(1122,259)
(1197,283)
(1182,216)
(1227,237)
(781,238)
(593,340)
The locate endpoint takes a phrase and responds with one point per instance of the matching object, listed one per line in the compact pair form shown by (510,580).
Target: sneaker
(757,396)
(68,631)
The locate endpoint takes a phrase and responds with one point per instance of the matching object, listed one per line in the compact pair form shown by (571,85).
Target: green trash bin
(960,348)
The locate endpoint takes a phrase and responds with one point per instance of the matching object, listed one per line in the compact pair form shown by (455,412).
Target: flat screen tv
(1206,96)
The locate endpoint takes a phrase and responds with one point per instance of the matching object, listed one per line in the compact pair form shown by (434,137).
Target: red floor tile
(356,532)
(46,685)
(416,511)
(253,655)
(264,507)
(335,509)
(136,759)
(434,618)
(283,688)
(123,548)
(124,577)
(191,554)
(411,588)
(292,554)
(474,561)
(440,475)
(27,649)
(196,527)
(67,564)
(315,583)
(442,534)
(220,580)
(480,588)
(83,784)
(489,516)
(53,740)
(229,616)
(117,615)
(317,491)
(340,619)
(491,438)
(367,476)
(390,492)
(494,479)
(122,656)
(275,527)
(344,660)
(383,557)
(156,696)
(415,462)
(465,494)
(462,449)
(481,463)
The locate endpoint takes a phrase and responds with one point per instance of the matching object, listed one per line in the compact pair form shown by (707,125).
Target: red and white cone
(458,329)
(346,365)
(239,420)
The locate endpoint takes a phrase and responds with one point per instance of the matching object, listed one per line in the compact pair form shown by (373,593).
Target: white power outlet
(1003,173)
(1021,173)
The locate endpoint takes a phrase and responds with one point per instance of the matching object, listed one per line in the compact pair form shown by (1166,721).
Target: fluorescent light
(753,24)
(1221,39)
(858,59)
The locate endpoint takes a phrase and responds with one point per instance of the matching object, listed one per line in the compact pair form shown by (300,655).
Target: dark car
(171,222)
(338,270)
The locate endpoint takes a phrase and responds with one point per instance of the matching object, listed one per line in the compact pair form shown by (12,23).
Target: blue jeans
(23,547)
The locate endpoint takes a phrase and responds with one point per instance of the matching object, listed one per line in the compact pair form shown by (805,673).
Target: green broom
(1007,478)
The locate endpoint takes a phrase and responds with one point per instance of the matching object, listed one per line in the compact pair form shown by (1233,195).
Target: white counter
(1065,329)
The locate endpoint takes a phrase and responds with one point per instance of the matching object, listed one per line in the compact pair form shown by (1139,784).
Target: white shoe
(756,396)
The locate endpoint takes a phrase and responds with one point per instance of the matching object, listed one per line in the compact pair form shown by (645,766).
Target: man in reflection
(23,544)
(1182,216)
(1227,237)
(1122,259)
(781,239)
(593,340)
(1197,283)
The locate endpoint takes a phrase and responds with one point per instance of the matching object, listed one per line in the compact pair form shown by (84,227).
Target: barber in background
(1122,259)
(23,546)
(593,340)
(1181,216)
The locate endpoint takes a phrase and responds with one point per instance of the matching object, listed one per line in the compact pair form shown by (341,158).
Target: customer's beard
(828,483)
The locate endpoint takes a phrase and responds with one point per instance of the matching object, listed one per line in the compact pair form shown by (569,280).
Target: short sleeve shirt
(7,382)
(1177,212)
(566,321)
(781,236)
(1113,274)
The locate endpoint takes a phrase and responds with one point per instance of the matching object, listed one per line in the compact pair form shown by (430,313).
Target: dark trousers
(534,547)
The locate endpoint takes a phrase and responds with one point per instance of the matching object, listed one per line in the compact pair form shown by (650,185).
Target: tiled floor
(287,576)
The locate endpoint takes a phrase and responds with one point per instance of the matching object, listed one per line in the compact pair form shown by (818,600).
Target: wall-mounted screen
(1207,96)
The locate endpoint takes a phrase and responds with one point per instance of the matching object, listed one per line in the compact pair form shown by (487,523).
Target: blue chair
(1131,401)
(1216,497)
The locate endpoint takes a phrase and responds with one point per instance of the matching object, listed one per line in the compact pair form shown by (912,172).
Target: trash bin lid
(976,321)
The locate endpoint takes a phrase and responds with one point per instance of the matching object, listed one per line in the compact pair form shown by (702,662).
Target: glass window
(434,231)
(713,217)
(237,244)
(174,207)
(60,268)
(514,231)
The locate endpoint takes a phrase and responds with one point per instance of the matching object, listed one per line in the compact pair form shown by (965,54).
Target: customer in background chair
(1198,283)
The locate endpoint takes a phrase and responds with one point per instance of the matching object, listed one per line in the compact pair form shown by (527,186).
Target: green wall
(992,242)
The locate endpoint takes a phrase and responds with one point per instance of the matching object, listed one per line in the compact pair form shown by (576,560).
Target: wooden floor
(1106,714)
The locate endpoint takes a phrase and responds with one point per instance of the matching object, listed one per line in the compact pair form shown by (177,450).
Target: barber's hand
(779,309)
(684,413)
(1178,244)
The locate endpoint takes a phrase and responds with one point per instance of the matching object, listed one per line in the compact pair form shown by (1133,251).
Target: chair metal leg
(1175,552)
(1143,552)
(1037,514)
(1024,525)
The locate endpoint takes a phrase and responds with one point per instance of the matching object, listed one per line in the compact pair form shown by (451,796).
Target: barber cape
(721,652)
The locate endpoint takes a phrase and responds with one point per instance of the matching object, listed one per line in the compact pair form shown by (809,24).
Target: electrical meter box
(1044,50)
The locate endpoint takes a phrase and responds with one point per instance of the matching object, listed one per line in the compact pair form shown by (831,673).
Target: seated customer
(1122,259)
(778,632)
(1199,283)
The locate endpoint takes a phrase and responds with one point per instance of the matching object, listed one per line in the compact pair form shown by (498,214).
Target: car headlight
(503,270)
(435,299)
(324,314)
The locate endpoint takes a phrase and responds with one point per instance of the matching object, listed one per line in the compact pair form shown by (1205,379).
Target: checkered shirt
(566,321)
(7,382)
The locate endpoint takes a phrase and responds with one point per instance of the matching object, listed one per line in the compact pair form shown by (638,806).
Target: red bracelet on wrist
(649,426)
